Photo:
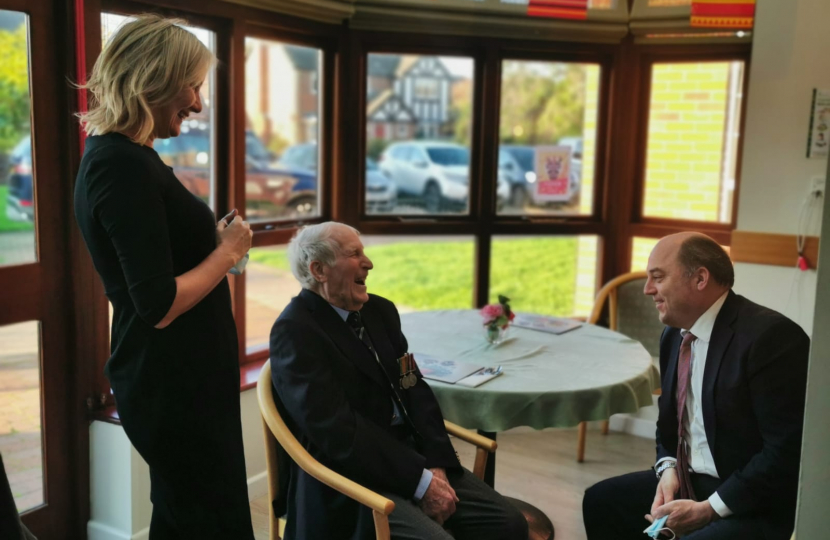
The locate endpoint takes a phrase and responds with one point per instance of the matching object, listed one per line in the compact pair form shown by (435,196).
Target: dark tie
(356,323)
(683,372)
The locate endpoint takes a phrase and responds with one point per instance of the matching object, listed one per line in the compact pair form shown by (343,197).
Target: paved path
(20,435)
(17,247)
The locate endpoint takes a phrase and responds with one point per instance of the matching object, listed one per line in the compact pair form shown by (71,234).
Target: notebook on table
(542,323)
(448,371)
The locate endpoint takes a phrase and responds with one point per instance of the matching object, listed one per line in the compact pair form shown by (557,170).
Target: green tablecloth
(549,380)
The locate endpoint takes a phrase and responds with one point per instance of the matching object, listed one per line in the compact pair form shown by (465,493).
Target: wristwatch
(663,465)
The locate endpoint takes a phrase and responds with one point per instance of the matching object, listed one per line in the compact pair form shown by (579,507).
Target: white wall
(789,59)
(814,488)
(120,478)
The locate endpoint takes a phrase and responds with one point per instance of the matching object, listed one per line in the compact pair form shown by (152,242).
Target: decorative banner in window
(553,173)
(723,13)
(558,9)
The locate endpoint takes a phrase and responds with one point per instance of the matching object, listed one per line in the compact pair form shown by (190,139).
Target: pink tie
(683,371)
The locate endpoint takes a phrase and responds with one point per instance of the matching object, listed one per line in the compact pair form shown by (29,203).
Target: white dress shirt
(700,455)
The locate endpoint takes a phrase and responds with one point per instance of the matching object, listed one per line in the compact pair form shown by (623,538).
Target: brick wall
(586,271)
(685,140)
(640,250)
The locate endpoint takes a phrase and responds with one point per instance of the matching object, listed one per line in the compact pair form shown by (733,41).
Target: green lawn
(6,225)
(538,274)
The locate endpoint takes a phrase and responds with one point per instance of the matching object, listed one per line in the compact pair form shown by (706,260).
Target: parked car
(518,164)
(269,190)
(20,197)
(436,173)
(574,143)
(300,156)
(381,194)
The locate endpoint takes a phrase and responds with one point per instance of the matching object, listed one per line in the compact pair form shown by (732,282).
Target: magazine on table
(542,323)
(480,377)
(448,371)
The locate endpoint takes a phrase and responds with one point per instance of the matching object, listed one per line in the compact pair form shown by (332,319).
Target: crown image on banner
(737,14)
(558,9)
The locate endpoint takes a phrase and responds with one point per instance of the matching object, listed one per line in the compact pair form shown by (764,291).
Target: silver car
(435,173)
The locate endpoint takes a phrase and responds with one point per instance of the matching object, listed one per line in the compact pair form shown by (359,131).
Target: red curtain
(558,9)
(737,14)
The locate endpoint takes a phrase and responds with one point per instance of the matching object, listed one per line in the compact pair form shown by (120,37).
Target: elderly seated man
(358,404)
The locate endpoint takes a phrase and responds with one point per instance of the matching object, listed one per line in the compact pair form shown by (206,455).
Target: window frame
(656,227)
(342,82)
(43,290)
(325,142)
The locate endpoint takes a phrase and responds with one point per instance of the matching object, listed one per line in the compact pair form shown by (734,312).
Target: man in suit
(727,465)
(359,406)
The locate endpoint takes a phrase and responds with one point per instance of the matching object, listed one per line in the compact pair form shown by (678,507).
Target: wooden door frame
(43,290)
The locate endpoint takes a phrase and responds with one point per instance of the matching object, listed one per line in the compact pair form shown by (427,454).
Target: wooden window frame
(655,227)
(44,290)
(620,157)
(483,222)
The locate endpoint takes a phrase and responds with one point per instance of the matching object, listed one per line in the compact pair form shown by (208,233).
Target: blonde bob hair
(144,65)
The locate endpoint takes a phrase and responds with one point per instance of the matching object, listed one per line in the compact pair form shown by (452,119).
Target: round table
(548,380)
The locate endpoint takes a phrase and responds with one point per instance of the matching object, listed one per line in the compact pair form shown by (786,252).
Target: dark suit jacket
(338,404)
(753,406)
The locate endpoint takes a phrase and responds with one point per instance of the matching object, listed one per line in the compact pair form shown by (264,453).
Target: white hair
(314,243)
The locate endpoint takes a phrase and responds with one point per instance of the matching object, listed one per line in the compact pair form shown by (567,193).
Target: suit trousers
(480,514)
(614,509)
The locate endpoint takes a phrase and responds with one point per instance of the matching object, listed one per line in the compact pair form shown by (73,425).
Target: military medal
(412,367)
(406,370)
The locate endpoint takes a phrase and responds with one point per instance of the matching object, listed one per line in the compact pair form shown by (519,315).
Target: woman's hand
(235,238)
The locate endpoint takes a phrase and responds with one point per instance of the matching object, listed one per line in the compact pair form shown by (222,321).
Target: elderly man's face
(344,284)
(674,294)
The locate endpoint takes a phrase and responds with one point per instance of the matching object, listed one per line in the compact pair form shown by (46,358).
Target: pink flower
(491,312)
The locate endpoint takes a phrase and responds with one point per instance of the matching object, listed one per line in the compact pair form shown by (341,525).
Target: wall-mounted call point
(817,186)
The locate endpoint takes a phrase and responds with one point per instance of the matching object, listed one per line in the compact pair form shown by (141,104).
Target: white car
(437,173)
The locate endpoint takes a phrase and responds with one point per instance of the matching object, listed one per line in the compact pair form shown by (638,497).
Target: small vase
(495,334)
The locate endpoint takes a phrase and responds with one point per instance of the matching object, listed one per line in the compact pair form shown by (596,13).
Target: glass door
(38,432)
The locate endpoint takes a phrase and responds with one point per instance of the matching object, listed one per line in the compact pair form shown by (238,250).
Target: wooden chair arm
(305,460)
(471,437)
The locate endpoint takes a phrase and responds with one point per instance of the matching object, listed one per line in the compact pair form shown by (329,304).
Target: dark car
(381,193)
(300,156)
(20,198)
(269,191)
(517,163)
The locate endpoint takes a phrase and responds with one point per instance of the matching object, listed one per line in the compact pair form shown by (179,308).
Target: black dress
(176,389)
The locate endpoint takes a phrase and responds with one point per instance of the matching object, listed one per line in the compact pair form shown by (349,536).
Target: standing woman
(163,259)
